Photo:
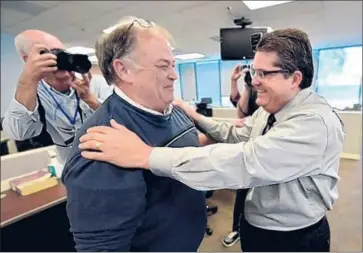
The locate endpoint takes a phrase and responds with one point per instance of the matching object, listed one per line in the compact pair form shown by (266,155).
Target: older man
(116,209)
(48,99)
(287,153)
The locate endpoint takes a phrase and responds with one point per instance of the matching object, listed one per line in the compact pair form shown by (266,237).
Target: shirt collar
(50,88)
(299,97)
(122,95)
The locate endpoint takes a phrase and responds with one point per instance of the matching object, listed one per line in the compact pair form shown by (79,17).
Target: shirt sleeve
(105,204)
(224,131)
(101,88)
(291,149)
(20,123)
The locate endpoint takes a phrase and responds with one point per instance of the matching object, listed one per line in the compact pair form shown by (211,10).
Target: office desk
(15,207)
(37,222)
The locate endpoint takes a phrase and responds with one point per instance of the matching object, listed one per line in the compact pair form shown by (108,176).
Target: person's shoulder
(180,115)
(95,175)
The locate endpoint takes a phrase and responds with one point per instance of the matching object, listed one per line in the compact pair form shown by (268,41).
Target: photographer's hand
(37,66)
(236,74)
(82,86)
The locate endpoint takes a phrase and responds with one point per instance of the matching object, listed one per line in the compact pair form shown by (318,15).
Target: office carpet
(345,219)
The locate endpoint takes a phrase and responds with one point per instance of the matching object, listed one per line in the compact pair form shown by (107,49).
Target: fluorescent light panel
(93,58)
(189,56)
(81,50)
(254,5)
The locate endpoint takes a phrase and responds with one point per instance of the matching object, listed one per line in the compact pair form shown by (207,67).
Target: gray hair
(22,44)
(120,42)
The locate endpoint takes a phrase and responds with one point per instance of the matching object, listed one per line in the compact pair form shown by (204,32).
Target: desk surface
(15,207)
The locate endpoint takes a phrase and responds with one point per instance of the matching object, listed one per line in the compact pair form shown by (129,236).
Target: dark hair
(294,52)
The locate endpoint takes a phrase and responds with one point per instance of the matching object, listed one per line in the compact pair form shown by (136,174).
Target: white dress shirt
(292,170)
(122,95)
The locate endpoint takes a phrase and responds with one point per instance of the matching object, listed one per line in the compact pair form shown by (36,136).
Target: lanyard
(72,121)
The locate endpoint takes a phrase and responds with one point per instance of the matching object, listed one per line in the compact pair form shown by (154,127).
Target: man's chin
(63,88)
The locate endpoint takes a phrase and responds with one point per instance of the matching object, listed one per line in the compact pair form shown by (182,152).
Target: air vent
(255,38)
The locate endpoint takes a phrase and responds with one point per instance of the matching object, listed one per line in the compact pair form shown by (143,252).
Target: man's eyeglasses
(261,74)
(142,22)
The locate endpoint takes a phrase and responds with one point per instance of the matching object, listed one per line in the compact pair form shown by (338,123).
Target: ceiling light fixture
(254,5)
(93,58)
(81,50)
(189,56)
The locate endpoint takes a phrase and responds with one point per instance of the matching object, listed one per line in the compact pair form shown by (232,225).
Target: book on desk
(33,182)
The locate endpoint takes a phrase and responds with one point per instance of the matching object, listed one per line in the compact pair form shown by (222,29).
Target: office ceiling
(192,23)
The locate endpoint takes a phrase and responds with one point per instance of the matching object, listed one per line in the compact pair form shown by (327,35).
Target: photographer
(246,106)
(48,99)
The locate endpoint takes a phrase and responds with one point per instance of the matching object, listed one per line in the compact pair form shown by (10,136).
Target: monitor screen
(238,43)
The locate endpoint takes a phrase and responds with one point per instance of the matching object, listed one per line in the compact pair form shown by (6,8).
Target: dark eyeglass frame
(268,72)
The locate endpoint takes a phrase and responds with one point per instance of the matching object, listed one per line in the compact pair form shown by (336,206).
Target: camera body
(248,77)
(70,62)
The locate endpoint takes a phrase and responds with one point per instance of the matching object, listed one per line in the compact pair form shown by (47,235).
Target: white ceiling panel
(47,4)
(10,17)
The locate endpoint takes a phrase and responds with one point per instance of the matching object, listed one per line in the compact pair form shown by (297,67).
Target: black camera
(70,62)
(248,77)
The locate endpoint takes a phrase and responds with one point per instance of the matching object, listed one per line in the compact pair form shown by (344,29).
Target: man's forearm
(242,105)
(221,131)
(204,140)
(234,89)
(26,94)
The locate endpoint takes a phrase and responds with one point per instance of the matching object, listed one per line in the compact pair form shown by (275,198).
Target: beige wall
(352,122)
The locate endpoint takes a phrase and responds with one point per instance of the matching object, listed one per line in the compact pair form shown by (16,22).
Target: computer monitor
(240,43)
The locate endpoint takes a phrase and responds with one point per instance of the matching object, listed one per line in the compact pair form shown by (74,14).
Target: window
(208,81)
(339,76)
(177,84)
(187,81)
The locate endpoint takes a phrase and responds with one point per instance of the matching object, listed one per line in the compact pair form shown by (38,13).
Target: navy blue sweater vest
(116,209)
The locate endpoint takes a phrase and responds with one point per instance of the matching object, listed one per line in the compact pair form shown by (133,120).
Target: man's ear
(297,78)
(25,58)
(121,70)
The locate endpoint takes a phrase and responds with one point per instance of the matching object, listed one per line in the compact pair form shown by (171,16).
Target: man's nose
(255,81)
(173,74)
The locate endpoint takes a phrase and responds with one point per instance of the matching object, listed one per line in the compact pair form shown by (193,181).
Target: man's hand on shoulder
(116,145)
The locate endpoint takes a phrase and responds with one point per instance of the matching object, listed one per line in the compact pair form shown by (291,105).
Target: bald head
(27,39)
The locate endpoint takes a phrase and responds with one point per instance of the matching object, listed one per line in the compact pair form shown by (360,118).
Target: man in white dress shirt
(287,153)
(65,101)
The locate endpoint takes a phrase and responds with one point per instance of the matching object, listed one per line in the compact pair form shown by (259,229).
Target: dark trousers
(238,208)
(315,238)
